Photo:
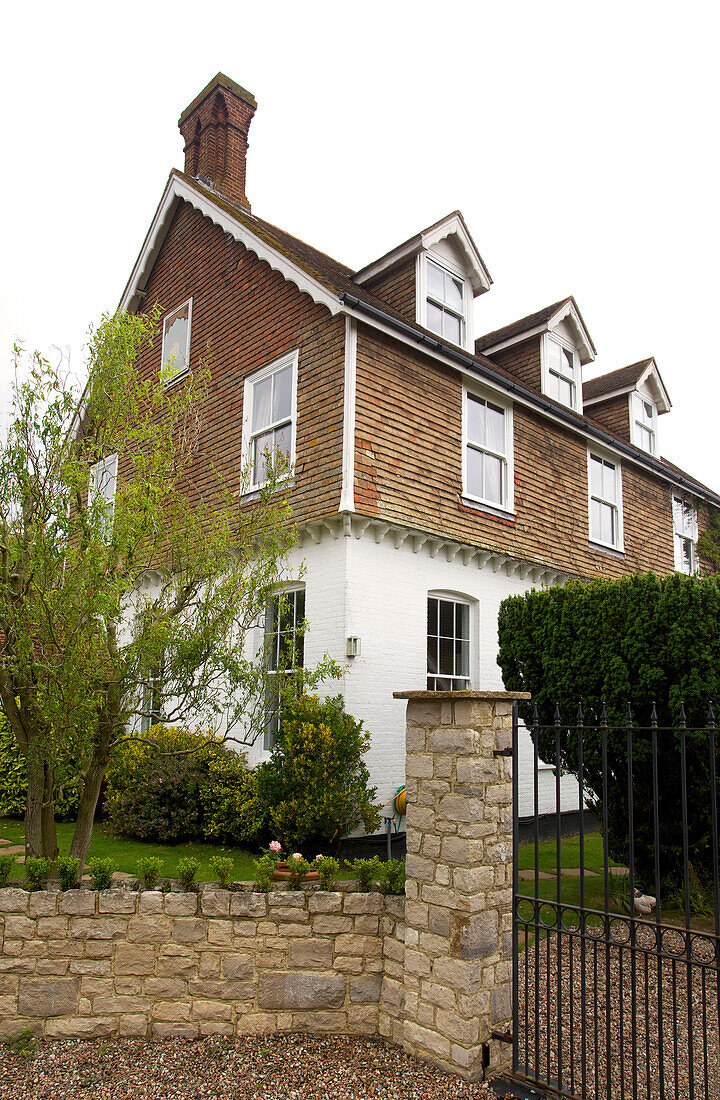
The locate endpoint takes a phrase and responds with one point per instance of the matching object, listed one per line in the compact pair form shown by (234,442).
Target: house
(435,471)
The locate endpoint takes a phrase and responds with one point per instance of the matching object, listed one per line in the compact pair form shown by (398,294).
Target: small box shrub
(37,868)
(264,871)
(68,872)
(327,867)
(367,870)
(101,872)
(149,869)
(6,865)
(222,866)
(187,872)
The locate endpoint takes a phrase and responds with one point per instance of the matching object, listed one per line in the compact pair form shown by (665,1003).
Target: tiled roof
(620,379)
(525,324)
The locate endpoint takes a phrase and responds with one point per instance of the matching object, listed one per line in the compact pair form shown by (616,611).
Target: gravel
(629,999)
(283,1067)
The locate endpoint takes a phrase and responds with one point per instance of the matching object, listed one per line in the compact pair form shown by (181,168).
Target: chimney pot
(215,130)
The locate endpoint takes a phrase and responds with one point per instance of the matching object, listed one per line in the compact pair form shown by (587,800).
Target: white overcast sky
(580,140)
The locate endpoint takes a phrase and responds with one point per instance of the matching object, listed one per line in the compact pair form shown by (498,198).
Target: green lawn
(125,852)
(569,854)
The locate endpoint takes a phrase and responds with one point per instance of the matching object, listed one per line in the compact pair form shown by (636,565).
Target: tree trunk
(49,829)
(82,837)
(34,808)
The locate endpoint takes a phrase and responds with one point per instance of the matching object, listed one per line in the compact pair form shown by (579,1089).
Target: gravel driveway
(289,1067)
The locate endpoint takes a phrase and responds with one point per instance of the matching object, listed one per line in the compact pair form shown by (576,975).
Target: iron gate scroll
(616,931)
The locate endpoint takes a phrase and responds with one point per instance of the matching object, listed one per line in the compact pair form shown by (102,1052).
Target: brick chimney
(215,128)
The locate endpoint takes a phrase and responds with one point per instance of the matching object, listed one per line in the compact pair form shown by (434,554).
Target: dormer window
(561,371)
(445,305)
(643,423)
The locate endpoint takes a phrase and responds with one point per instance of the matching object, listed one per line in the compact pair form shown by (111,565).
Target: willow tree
(128,583)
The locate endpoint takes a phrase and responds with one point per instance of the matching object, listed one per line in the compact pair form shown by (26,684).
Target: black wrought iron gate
(616,930)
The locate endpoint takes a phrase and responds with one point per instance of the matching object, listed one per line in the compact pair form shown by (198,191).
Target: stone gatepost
(458,908)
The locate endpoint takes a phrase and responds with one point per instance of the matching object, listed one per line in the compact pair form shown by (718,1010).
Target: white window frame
(270,726)
(184,371)
(636,427)
(552,337)
(290,359)
(467,601)
(508,457)
(690,535)
(106,467)
(607,457)
(421,282)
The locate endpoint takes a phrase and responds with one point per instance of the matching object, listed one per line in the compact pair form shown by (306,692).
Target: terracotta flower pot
(282,873)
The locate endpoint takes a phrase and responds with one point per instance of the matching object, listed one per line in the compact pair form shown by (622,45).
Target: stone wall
(430,971)
(118,962)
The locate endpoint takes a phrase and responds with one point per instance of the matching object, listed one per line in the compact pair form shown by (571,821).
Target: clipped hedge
(642,639)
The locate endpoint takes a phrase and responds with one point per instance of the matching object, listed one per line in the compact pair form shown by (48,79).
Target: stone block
(42,903)
(472,880)
(349,964)
(256,1023)
(52,966)
(501,1003)
(365,988)
(116,901)
(134,959)
(81,1027)
(220,933)
(77,903)
(367,926)
(419,765)
(372,903)
(326,901)
(97,949)
(454,741)
(215,1027)
(108,1006)
(165,1030)
(300,990)
(98,928)
(476,936)
(237,966)
(312,954)
(211,1010)
(48,997)
(13,900)
(153,930)
(455,1027)
(417,962)
(279,899)
(209,965)
(52,927)
(439,921)
(418,1040)
(133,1027)
(215,903)
(477,770)
(165,988)
(362,1020)
(222,990)
(330,924)
(422,713)
(327,1022)
(189,930)
(19,927)
(96,968)
(461,975)
(291,915)
(172,1012)
(180,905)
(150,903)
(176,961)
(248,905)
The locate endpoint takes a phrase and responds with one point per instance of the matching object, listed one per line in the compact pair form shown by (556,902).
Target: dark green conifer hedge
(640,640)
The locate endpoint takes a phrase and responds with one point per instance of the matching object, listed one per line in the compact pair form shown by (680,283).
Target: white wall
(356,586)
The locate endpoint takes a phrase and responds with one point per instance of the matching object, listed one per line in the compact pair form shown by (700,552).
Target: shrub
(393,876)
(184,785)
(101,871)
(642,639)
(187,872)
(23,1043)
(6,865)
(68,872)
(37,868)
(327,867)
(229,794)
(315,784)
(367,870)
(223,868)
(149,870)
(264,871)
(298,868)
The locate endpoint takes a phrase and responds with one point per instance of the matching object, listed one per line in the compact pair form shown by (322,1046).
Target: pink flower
(275,846)
(318,858)
(297,855)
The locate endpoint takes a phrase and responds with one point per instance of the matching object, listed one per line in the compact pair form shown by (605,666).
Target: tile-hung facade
(434,472)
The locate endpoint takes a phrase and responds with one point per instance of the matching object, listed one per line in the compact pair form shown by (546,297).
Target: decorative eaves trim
(352,525)
(568,309)
(650,372)
(480,278)
(176,191)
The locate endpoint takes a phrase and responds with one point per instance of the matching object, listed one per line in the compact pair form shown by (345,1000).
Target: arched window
(448,642)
